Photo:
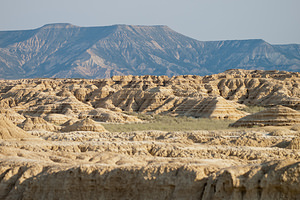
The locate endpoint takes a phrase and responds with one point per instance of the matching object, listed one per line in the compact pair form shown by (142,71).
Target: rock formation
(73,156)
(68,106)
(105,115)
(222,94)
(57,119)
(84,125)
(210,107)
(269,181)
(295,144)
(8,130)
(150,165)
(275,116)
(10,114)
(37,123)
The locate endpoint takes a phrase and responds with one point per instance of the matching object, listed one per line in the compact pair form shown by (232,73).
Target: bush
(169,123)
(252,109)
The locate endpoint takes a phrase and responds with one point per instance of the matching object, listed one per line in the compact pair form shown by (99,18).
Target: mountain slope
(65,50)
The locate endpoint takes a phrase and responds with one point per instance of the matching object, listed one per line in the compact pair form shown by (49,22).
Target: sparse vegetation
(169,123)
(252,109)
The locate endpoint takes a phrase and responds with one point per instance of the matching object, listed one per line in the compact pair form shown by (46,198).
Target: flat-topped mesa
(142,26)
(63,50)
(58,25)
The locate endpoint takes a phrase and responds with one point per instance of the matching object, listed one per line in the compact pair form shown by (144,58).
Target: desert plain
(233,135)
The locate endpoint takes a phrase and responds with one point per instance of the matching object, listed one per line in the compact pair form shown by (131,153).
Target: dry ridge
(219,96)
(232,164)
(275,116)
(53,144)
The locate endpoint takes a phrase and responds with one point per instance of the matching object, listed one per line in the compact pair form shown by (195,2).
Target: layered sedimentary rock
(151,165)
(275,116)
(68,106)
(72,156)
(214,107)
(37,123)
(8,130)
(219,94)
(163,100)
(295,144)
(12,115)
(64,50)
(84,125)
(269,181)
(57,119)
(105,115)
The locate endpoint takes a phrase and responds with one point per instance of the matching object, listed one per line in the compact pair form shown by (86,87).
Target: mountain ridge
(67,51)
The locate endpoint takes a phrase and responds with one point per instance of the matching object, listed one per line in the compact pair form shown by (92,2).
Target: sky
(275,21)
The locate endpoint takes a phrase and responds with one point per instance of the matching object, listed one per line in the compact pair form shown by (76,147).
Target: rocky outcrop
(229,164)
(277,181)
(105,115)
(84,125)
(269,181)
(69,106)
(275,116)
(73,157)
(8,130)
(37,123)
(295,143)
(216,96)
(12,115)
(210,107)
(57,119)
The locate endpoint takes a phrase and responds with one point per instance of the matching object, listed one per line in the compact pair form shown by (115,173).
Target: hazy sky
(276,21)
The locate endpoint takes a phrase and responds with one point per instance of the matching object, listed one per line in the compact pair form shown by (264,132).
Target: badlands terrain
(233,135)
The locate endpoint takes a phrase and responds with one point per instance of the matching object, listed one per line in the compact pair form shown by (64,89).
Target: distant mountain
(65,50)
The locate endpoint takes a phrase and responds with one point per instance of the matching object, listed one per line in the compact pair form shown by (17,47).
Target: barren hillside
(55,141)
(68,51)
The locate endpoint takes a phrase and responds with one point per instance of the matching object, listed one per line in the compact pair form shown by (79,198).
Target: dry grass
(169,123)
(253,109)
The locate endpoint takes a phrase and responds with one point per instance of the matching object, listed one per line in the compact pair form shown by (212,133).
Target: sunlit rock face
(55,142)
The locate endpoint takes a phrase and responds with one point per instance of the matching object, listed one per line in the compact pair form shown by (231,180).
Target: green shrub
(169,123)
(252,109)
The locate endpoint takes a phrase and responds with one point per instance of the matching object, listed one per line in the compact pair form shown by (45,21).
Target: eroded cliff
(54,145)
